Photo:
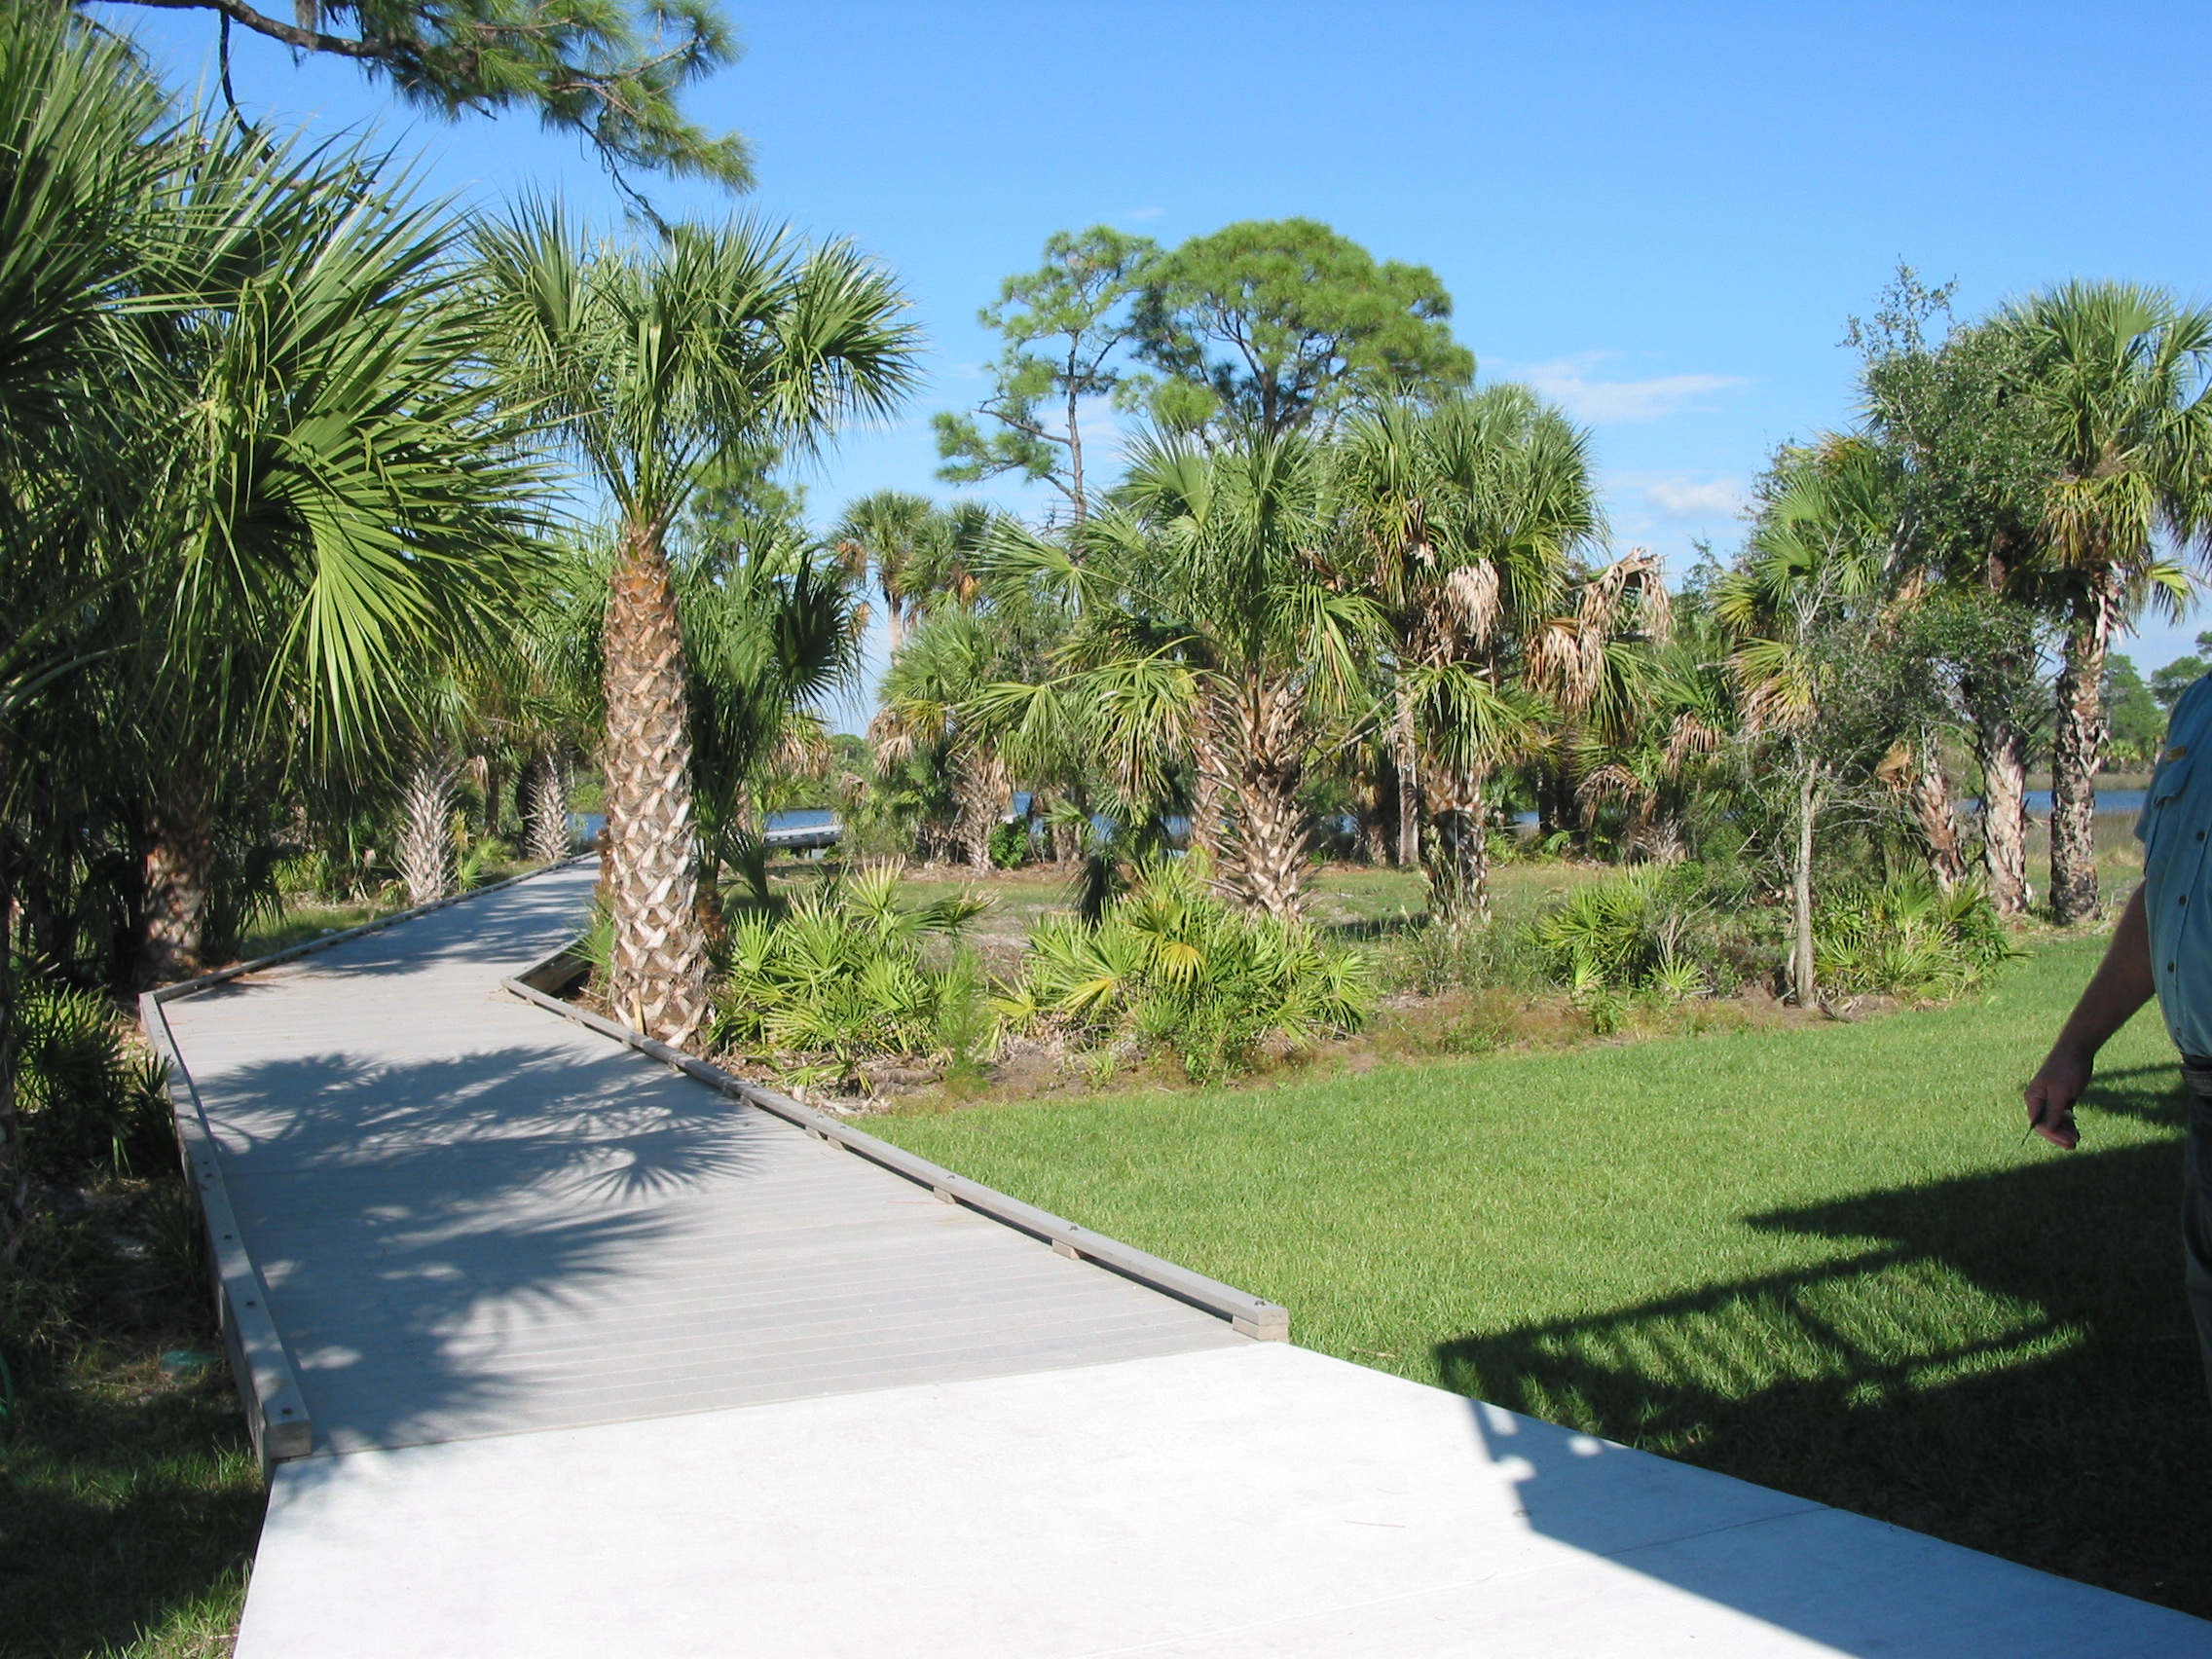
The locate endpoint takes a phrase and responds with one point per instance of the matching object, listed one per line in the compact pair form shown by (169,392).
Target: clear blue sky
(1662,215)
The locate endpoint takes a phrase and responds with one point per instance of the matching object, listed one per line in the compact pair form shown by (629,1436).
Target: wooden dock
(595,1360)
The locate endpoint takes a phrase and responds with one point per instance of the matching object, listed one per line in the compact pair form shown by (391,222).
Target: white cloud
(1570,382)
(1144,212)
(1679,499)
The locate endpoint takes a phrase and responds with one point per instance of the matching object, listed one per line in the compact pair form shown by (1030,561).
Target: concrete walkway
(600,1363)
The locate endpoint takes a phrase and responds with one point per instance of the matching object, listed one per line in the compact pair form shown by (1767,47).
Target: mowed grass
(129,1497)
(128,1508)
(1827,1259)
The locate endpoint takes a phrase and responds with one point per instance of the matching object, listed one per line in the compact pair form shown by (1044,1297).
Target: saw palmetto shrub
(1676,930)
(847,974)
(91,1100)
(1906,937)
(1170,968)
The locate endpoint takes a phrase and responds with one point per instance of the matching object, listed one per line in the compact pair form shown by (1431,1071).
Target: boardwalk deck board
(474,1218)
(602,1363)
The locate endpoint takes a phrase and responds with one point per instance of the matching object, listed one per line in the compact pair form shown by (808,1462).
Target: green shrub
(843,975)
(1428,960)
(1676,930)
(1906,937)
(91,1101)
(1170,967)
(1010,844)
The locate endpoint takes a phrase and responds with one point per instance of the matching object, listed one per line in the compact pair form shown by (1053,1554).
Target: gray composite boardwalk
(602,1364)
(475,1218)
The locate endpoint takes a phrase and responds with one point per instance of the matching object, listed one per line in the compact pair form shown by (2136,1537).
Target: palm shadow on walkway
(436,1235)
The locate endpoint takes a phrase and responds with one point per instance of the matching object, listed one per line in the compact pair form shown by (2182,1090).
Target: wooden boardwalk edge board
(275,1411)
(1265,1321)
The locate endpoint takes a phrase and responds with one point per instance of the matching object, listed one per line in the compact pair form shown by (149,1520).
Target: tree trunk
(1408,757)
(1459,855)
(713,924)
(657,976)
(15,1183)
(1074,449)
(1067,841)
(180,863)
(1209,784)
(1938,820)
(981,787)
(545,808)
(1377,797)
(494,795)
(2002,750)
(426,827)
(1270,832)
(2074,754)
(1803,991)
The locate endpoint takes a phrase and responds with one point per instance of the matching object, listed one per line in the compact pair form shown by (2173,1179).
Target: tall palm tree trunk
(180,864)
(1271,833)
(2074,753)
(546,807)
(1938,819)
(2001,749)
(1407,742)
(426,827)
(1459,853)
(657,975)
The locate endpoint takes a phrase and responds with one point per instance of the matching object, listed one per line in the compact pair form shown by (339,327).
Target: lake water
(2128,802)
(588,824)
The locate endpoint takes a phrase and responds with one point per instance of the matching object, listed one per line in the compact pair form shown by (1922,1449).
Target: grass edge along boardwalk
(533,1284)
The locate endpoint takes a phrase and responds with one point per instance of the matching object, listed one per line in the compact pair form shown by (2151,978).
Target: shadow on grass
(124,1516)
(1379,927)
(2007,1362)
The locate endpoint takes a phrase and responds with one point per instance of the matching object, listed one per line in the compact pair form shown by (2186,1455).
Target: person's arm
(2123,983)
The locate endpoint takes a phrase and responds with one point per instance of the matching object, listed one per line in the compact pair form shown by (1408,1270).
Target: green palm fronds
(844,974)
(1171,967)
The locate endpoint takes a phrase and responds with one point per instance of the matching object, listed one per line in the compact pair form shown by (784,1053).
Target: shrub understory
(129,1495)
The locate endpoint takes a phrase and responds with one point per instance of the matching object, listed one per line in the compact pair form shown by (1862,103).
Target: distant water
(588,824)
(2128,802)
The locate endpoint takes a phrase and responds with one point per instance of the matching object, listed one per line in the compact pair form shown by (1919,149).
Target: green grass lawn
(129,1498)
(302,920)
(1826,1259)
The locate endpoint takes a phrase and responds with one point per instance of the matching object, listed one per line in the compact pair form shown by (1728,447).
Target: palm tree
(883,534)
(245,455)
(771,624)
(654,363)
(1214,630)
(2121,376)
(247,487)
(338,515)
(1471,516)
(927,714)
(1973,476)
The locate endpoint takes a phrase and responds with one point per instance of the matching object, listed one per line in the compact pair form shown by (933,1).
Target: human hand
(2053,1093)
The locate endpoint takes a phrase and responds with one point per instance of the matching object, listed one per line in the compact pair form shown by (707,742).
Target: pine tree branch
(370,50)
